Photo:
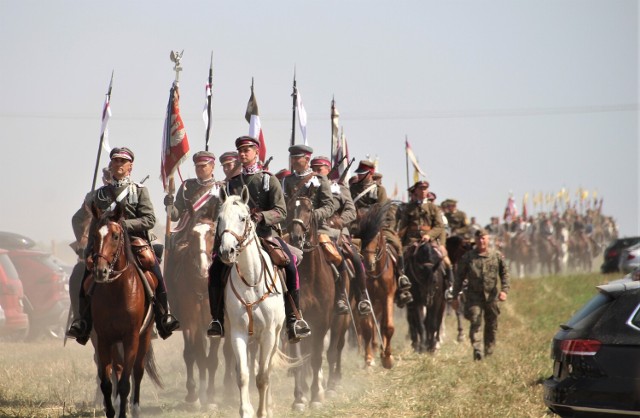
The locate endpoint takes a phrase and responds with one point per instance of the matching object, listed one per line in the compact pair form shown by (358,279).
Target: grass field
(43,379)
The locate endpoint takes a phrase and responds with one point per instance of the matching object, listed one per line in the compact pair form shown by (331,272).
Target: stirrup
(403,283)
(297,330)
(403,298)
(167,324)
(78,331)
(215,329)
(364,307)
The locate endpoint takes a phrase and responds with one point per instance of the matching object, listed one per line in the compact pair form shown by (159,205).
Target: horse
(380,267)
(580,252)
(548,255)
(121,312)
(253,299)
(426,272)
(520,252)
(457,246)
(187,278)
(562,235)
(317,296)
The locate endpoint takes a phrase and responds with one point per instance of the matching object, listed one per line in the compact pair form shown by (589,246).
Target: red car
(11,298)
(46,291)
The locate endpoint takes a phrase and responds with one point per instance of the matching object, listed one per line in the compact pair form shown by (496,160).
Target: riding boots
(342,307)
(216,299)
(403,280)
(297,329)
(364,306)
(80,329)
(166,323)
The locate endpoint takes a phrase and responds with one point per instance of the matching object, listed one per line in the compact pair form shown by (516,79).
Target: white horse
(253,299)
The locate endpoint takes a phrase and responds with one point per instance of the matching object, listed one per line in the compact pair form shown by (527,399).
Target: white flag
(302,116)
(104,129)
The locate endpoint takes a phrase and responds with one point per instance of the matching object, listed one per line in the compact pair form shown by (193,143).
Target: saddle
(330,251)
(143,252)
(275,251)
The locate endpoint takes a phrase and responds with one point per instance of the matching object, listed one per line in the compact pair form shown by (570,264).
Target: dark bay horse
(317,296)
(426,272)
(380,267)
(187,277)
(548,252)
(121,312)
(457,246)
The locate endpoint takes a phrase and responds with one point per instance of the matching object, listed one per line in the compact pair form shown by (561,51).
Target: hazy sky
(494,96)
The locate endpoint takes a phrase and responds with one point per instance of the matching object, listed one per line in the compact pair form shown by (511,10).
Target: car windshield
(589,312)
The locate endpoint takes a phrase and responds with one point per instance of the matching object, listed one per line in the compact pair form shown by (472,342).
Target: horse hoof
(331,393)
(298,407)
(191,398)
(210,407)
(387,362)
(315,405)
(460,338)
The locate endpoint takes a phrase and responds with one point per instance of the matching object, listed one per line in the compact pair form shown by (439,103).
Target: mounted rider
(139,220)
(337,225)
(366,192)
(457,219)
(268,209)
(200,193)
(230,164)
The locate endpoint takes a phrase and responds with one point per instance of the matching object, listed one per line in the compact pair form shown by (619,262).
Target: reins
(112,263)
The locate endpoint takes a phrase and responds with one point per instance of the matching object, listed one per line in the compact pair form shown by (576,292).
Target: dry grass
(43,379)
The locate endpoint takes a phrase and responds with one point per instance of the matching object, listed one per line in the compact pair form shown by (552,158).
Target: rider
(345,213)
(268,209)
(365,193)
(139,219)
(458,221)
(421,221)
(201,193)
(230,164)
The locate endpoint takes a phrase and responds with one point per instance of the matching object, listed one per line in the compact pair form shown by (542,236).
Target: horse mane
(371,223)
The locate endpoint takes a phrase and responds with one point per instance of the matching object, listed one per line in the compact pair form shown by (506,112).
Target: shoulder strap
(298,187)
(364,192)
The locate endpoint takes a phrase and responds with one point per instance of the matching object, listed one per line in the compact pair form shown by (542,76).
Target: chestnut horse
(426,272)
(121,312)
(187,278)
(380,267)
(317,296)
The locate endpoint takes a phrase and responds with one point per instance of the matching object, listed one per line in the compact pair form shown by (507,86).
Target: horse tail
(282,361)
(372,222)
(151,368)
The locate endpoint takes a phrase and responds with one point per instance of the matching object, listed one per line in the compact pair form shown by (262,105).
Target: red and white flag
(511,211)
(175,144)
(255,127)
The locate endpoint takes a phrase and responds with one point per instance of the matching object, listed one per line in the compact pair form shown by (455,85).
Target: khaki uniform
(482,272)
(265,195)
(345,211)
(189,193)
(419,219)
(458,222)
(318,189)
(139,217)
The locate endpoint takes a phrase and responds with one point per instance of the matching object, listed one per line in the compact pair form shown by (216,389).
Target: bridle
(112,263)
(379,253)
(307,246)
(242,240)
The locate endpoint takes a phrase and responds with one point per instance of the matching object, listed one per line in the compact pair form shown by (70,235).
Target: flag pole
(209,87)
(293,110)
(175,58)
(406,158)
(333,106)
(104,110)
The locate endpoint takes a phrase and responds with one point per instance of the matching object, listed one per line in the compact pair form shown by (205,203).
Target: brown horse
(580,252)
(121,312)
(187,278)
(317,295)
(548,255)
(380,267)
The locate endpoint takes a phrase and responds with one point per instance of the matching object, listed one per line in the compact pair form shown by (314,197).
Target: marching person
(366,192)
(337,224)
(482,268)
(200,193)
(268,209)
(139,220)
(230,164)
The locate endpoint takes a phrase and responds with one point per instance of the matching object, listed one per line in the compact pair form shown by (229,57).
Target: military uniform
(419,219)
(192,191)
(315,187)
(482,273)
(458,222)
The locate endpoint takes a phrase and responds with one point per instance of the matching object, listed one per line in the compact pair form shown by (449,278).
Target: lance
(293,109)
(406,158)
(209,88)
(333,107)
(175,58)
(104,115)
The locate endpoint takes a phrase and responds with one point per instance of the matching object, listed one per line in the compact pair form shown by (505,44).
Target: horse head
(235,224)
(300,223)
(112,251)
(369,231)
(201,238)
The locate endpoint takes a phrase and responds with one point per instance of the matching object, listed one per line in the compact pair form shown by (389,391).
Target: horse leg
(200,347)
(104,374)
(317,390)
(229,367)
(188,354)
(267,350)
(413,321)
(387,330)
(299,401)
(334,352)
(367,339)
(212,363)
(138,371)
(124,384)
(242,369)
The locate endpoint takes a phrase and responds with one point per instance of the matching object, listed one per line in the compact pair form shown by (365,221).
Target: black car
(613,251)
(596,356)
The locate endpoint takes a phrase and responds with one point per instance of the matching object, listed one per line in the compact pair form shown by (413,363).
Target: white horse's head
(234,225)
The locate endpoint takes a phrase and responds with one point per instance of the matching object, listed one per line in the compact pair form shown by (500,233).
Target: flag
(335,134)
(302,116)
(524,206)
(175,144)
(510,212)
(395,191)
(412,157)
(206,111)
(255,127)
(104,129)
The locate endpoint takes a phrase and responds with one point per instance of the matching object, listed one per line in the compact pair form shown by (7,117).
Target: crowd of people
(482,274)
